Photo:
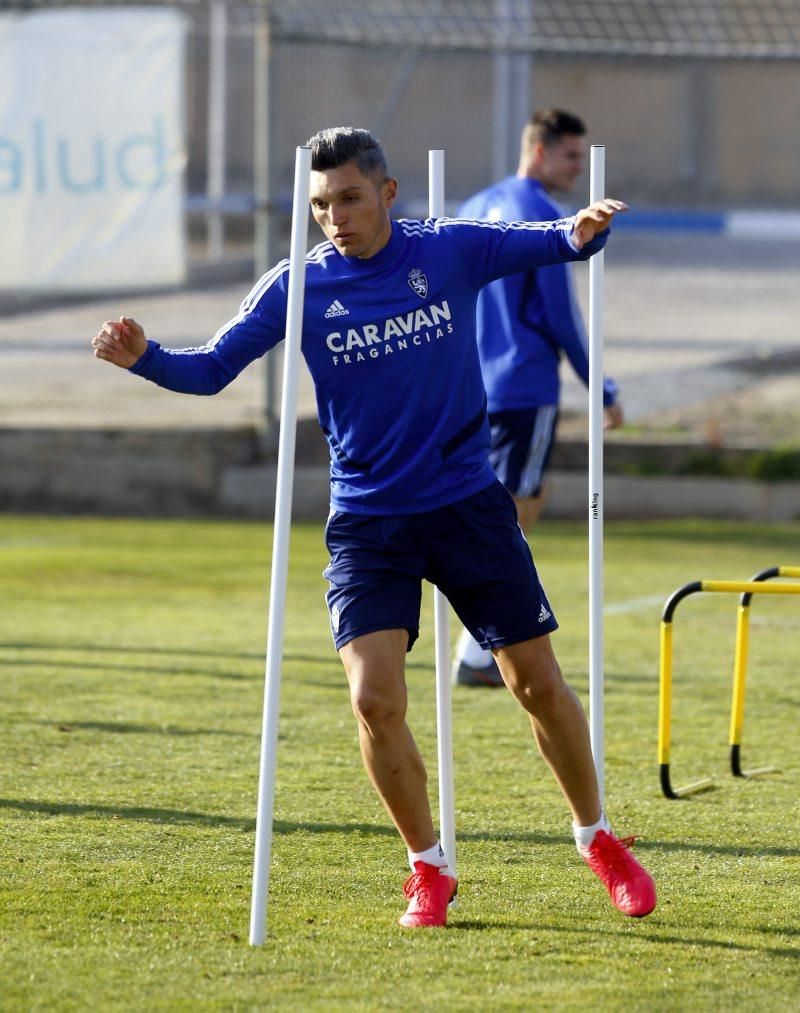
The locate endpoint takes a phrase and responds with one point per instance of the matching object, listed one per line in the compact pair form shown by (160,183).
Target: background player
(525,323)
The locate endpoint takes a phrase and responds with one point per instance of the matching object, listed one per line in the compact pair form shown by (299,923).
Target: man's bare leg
(375,666)
(559,724)
(532,674)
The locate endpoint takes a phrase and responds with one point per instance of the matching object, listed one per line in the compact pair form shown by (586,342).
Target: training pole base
(704,784)
(736,765)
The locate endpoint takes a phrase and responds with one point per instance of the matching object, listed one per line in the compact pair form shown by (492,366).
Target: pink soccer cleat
(630,886)
(429,890)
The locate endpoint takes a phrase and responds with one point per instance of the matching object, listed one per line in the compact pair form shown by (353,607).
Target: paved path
(689,317)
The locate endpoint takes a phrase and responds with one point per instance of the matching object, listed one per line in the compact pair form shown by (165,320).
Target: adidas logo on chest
(336,310)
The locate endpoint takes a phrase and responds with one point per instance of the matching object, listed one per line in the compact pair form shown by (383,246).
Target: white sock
(585,835)
(471,653)
(433,856)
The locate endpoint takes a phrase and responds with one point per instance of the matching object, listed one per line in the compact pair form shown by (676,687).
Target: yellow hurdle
(746,588)
(740,670)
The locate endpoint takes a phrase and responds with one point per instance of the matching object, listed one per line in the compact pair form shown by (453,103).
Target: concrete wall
(118,472)
(231,473)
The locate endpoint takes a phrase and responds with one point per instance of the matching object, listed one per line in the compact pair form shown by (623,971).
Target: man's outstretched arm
(203,370)
(492,250)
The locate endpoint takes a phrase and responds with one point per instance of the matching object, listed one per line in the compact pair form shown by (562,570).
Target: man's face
(352,210)
(562,162)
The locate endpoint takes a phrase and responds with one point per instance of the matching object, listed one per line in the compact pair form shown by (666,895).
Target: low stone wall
(251,492)
(668,496)
(144,472)
(232,472)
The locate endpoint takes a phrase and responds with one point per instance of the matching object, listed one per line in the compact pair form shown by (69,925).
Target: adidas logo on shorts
(544,615)
(336,310)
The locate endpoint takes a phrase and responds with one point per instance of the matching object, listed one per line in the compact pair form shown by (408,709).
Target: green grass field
(132,685)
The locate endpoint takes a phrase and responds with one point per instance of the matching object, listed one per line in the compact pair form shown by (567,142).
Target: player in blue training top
(389,338)
(525,322)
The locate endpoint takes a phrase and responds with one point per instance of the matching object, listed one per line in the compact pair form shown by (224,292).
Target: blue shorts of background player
(472,550)
(522,444)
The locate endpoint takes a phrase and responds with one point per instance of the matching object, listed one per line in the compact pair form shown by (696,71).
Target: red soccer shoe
(630,886)
(429,890)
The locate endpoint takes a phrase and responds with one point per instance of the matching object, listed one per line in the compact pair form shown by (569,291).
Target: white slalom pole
(280,547)
(597,185)
(441,617)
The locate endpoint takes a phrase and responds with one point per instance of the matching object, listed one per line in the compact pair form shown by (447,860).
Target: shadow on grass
(119,649)
(131,728)
(143,814)
(786,701)
(313,659)
(106,667)
(472,925)
(80,666)
(739,851)
(151,815)
(778,930)
(179,816)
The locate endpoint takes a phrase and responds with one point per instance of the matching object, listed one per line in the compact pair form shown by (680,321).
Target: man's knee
(375,666)
(533,675)
(375,707)
(543,687)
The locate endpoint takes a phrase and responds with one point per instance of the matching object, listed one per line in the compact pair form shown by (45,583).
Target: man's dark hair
(547,126)
(337,145)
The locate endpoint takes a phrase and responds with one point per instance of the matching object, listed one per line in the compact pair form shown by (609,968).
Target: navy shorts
(473,550)
(522,442)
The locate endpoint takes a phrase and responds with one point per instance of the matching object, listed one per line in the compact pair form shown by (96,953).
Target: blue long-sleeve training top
(390,345)
(526,320)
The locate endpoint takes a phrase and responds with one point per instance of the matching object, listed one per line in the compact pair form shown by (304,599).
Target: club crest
(418,281)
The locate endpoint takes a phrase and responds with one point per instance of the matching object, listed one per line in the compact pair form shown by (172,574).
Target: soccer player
(525,322)
(389,338)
